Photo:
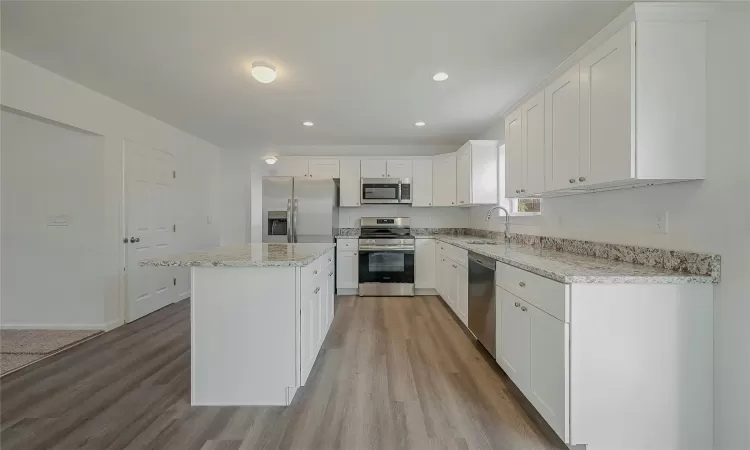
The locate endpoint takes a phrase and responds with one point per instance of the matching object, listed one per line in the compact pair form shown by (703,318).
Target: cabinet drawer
(457,254)
(549,296)
(347,244)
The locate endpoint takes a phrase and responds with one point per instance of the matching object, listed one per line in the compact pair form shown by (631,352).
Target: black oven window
(386,262)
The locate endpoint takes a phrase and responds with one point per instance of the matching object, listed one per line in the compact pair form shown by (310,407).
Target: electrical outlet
(662,223)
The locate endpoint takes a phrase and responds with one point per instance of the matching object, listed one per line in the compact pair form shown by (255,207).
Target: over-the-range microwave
(386,190)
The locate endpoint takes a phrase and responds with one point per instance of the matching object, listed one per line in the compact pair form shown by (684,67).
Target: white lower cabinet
(452,281)
(462,303)
(614,374)
(347,264)
(316,311)
(424,263)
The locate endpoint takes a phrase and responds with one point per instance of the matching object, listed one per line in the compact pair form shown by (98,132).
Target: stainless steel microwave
(386,190)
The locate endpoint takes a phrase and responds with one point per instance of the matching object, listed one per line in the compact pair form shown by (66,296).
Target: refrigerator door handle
(294,221)
(289,220)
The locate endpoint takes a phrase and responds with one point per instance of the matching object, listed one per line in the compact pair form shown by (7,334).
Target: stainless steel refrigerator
(299,209)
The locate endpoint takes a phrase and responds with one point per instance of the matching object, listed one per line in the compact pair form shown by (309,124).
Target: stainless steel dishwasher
(482,300)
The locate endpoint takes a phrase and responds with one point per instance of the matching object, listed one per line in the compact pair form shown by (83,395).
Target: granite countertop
(251,255)
(570,268)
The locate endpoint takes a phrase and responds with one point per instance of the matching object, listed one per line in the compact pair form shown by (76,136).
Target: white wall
(707,216)
(47,97)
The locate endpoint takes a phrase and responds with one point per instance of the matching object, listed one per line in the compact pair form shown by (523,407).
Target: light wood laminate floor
(394,373)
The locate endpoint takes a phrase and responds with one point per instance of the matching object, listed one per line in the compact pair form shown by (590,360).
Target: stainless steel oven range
(386,257)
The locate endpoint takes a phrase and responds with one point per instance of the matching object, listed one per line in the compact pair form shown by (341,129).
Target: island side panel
(642,366)
(243,335)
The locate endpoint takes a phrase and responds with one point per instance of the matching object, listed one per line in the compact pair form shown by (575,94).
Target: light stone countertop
(567,267)
(251,255)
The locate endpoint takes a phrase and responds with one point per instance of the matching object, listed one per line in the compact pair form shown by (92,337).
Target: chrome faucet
(507,220)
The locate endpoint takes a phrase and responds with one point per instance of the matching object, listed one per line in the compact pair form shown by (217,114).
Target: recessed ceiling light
(263,72)
(308,124)
(420,124)
(440,76)
(271,159)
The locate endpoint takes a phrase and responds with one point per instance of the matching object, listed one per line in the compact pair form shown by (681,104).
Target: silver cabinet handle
(522,284)
(582,179)
(518,304)
(572,180)
(523,308)
(289,218)
(317,289)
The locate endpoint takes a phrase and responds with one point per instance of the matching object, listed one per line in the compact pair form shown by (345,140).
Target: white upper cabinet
(476,173)
(562,124)
(444,180)
(533,145)
(421,183)
(606,144)
(514,160)
(374,168)
(398,168)
(323,168)
(620,115)
(349,182)
(290,166)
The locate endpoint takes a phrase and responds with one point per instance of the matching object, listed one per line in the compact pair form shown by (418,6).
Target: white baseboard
(183,296)
(425,291)
(57,326)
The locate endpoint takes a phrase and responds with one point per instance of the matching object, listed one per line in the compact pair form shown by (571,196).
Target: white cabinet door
(444,279)
(331,284)
(452,271)
(532,124)
(347,270)
(323,168)
(514,342)
(399,168)
(421,183)
(291,166)
(424,264)
(549,368)
(308,323)
(562,124)
(514,170)
(349,182)
(373,168)
(607,149)
(463,294)
(463,175)
(444,180)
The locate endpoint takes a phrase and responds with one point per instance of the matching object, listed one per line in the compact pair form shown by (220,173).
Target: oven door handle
(389,248)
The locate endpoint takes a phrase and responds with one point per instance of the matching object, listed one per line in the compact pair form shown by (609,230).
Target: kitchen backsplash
(450,217)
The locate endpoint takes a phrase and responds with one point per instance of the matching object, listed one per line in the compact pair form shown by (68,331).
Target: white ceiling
(362,71)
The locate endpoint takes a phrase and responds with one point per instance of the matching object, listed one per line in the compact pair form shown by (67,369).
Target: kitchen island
(259,314)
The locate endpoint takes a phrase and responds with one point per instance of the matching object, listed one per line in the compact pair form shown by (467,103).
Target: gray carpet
(21,347)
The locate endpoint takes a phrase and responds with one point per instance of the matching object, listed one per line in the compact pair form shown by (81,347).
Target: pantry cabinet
(421,183)
(444,180)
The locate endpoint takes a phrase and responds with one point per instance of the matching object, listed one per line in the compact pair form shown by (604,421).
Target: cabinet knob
(523,190)
(330,274)
(455,266)
(523,308)
(382,175)
(517,304)
(317,289)
(572,180)
(429,204)
(355,253)
(518,191)
(582,179)
(315,272)
(522,284)
(452,203)
(461,201)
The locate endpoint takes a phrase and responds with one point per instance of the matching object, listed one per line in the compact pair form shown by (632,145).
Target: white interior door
(148,226)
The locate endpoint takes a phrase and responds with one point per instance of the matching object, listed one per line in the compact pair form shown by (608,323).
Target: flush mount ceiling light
(271,160)
(308,123)
(263,72)
(420,124)
(440,76)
